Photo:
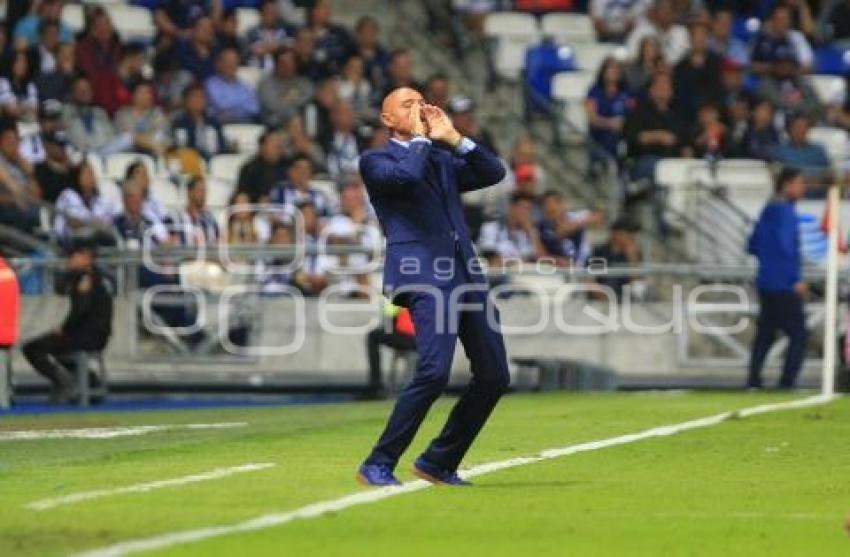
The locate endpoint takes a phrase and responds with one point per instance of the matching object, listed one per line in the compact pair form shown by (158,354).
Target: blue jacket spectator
(27,28)
(607,103)
(230,99)
(197,53)
(810,158)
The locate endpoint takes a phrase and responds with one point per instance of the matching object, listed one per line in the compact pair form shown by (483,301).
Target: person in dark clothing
(259,175)
(695,77)
(87,326)
(400,337)
(333,43)
(621,250)
(193,128)
(775,241)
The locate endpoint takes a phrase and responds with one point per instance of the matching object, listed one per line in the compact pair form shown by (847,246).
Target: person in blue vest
(414,183)
(775,241)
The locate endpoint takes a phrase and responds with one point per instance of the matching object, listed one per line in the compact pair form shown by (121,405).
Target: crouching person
(87,326)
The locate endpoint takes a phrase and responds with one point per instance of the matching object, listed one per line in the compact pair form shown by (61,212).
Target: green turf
(774,484)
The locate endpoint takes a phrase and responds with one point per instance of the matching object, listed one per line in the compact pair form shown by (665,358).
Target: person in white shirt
(615,19)
(660,23)
(82,210)
(515,239)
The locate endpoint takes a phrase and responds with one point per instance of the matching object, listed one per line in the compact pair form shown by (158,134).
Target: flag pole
(830,332)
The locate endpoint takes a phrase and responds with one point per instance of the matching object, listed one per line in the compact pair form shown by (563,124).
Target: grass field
(773,484)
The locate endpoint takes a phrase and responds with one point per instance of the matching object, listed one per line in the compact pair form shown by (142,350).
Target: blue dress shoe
(436,475)
(376,475)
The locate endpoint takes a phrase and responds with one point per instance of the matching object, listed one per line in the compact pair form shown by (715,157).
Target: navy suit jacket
(415,191)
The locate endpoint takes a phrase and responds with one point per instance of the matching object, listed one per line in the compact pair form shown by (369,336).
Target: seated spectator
(144,120)
(170,80)
(807,157)
(317,114)
(608,101)
(98,54)
(436,90)
(18,190)
(311,277)
(57,83)
(514,240)
(778,43)
(761,137)
(563,233)
(333,43)
(653,129)
(230,99)
(283,92)
(192,128)
(259,175)
(343,143)
(788,91)
(89,127)
(139,178)
(310,65)
(400,72)
(174,19)
(375,57)
(27,28)
(723,41)
(355,90)
(53,168)
(354,225)
(613,20)
(273,274)
(297,189)
(18,92)
(194,225)
(268,37)
(660,23)
(298,141)
(695,77)
(197,52)
(42,56)
(132,226)
(49,126)
(648,62)
(462,112)
(736,103)
(838,21)
(227,31)
(621,250)
(82,211)
(709,137)
(244,226)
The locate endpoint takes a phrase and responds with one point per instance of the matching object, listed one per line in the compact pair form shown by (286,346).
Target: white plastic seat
(572,86)
(746,180)
(73,17)
(97,165)
(249,75)
(512,34)
(169,195)
(116,164)
(226,167)
(589,57)
(830,89)
(568,28)
(680,178)
(246,19)
(109,189)
(834,140)
(327,187)
(218,193)
(131,22)
(245,136)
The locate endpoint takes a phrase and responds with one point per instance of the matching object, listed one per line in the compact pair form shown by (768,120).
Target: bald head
(397,108)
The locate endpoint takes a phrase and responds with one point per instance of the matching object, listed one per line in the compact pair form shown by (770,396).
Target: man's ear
(387,120)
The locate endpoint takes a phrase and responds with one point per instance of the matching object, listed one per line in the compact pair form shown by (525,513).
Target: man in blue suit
(414,183)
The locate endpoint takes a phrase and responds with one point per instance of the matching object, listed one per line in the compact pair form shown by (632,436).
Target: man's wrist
(454,140)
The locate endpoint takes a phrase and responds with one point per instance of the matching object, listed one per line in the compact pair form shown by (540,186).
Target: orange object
(404,323)
(543,5)
(9,302)
(842,246)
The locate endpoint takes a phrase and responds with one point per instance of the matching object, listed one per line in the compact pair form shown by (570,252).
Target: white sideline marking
(45,504)
(364,497)
(106,432)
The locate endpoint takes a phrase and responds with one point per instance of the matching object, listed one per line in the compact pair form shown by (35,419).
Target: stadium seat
(116,164)
(834,140)
(830,89)
(679,177)
(246,19)
(748,182)
(328,187)
(568,28)
(511,33)
(110,190)
(832,60)
(571,88)
(97,165)
(219,192)
(589,57)
(244,136)
(73,17)
(170,195)
(226,167)
(250,75)
(85,389)
(132,22)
